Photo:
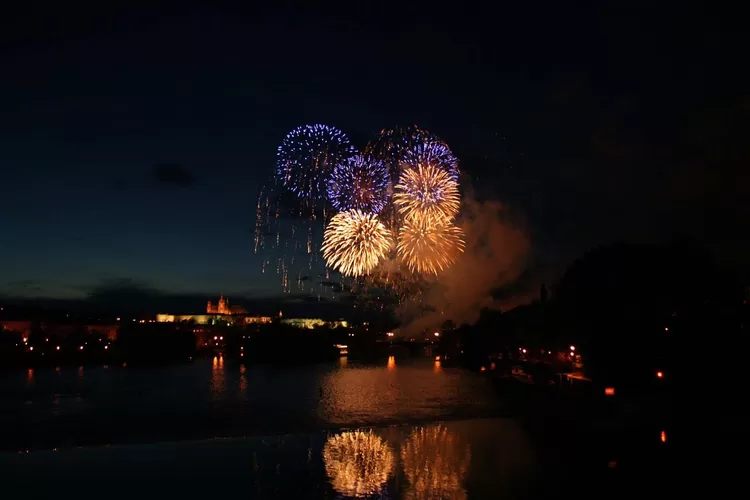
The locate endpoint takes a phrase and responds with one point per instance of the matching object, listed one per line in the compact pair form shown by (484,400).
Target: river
(397,429)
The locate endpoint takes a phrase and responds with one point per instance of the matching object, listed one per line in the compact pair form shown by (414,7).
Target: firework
(354,242)
(431,151)
(358,463)
(429,244)
(360,183)
(428,191)
(288,237)
(411,146)
(308,155)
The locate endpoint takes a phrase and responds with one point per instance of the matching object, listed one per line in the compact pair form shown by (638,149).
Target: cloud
(496,256)
(172,174)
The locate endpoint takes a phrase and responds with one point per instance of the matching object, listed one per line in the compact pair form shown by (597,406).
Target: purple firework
(410,146)
(308,155)
(430,150)
(359,183)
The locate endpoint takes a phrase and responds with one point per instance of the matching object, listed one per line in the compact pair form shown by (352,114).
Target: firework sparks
(429,244)
(361,183)
(358,463)
(354,242)
(427,191)
(430,150)
(308,155)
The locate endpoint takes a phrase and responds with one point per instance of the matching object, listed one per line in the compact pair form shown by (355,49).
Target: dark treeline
(633,311)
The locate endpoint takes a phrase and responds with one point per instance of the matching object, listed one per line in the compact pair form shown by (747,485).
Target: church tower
(223,305)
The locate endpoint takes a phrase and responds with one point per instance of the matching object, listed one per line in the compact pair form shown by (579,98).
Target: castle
(223,308)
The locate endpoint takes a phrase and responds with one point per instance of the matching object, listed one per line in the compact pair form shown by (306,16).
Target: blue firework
(308,155)
(430,150)
(359,183)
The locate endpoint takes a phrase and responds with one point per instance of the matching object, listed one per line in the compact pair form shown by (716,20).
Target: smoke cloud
(495,256)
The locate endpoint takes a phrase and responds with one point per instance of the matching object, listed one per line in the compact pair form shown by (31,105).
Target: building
(310,323)
(208,319)
(223,307)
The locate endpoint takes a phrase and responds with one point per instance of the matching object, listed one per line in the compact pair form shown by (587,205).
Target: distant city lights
(659,374)
(572,348)
(437,334)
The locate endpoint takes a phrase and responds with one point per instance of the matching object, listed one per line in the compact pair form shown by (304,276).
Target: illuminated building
(310,323)
(207,319)
(223,308)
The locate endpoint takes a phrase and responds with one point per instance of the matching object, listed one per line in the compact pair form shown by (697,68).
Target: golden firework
(355,242)
(358,463)
(427,191)
(435,463)
(429,244)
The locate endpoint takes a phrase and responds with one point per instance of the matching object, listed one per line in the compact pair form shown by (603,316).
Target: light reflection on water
(478,459)
(358,463)
(435,462)
(202,399)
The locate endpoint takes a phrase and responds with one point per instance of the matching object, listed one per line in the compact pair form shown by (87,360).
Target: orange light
(663,436)
(483,369)
(659,375)
(609,391)
(437,334)
(437,358)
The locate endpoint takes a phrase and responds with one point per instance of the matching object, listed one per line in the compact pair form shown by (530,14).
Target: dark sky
(133,142)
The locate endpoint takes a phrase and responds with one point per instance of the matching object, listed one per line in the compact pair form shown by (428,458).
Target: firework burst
(308,155)
(430,150)
(427,191)
(355,242)
(429,244)
(359,183)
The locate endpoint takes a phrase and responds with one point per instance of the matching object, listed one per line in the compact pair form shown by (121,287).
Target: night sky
(133,142)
